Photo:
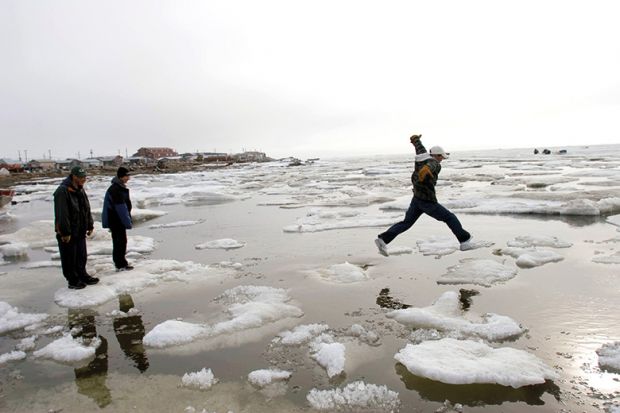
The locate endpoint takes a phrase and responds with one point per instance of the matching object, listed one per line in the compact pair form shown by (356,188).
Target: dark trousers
(119,247)
(73,258)
(432,209)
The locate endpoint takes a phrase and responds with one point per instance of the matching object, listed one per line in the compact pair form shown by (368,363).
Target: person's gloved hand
(415,138)
(89,232)
(66,238)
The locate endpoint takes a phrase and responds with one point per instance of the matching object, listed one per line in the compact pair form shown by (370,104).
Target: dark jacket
(71,210)
(424,177)
(116,212)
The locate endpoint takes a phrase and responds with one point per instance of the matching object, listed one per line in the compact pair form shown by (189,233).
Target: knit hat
(122,171)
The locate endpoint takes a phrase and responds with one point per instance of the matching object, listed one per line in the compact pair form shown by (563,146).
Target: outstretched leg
(440,213)
(412,215)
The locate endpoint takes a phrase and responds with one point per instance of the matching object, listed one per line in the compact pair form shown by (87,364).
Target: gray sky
(312,78)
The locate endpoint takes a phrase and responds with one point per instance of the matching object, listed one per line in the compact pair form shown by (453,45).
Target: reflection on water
(385,300)
(129,333)
(475,394)
(91,379)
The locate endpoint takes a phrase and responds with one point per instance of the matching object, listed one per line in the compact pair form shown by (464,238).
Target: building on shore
(41,165)
(155,152)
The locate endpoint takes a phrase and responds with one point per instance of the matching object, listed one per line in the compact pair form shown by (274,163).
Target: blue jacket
(116,212)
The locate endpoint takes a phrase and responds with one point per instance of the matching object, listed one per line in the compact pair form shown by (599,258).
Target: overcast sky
(312,78)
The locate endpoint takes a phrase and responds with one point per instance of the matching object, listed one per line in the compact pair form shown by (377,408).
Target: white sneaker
(382,247)
(468,245)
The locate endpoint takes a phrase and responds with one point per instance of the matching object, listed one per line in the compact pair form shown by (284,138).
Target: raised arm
(417,143)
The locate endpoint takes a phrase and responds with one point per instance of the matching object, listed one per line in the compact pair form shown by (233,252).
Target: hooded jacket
(71,210)
(424,177)
(116,212)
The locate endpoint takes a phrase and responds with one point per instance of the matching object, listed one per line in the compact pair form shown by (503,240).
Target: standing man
(116,216)
(424,179)
(73,223)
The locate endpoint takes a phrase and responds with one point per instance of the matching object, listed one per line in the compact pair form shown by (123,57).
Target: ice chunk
(318,222)
(343,273)
(69,350)
(613,258)
(12,356)
(478,271)
(329,354)
(40,264)
(301,334)
(224,243)
(249,307)
(466,362)
(609,356)
(614,220)
(175,224)
(437,246)
(140,215)
(27,344)
(356,396)
(202,379)
(38,234)
(399,250)
(15,249)
(87,297)
(530,257)
(446,315)
(527,241)
(264,377)
(11,319)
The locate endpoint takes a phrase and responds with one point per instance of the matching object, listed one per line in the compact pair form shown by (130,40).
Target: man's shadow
(130,332)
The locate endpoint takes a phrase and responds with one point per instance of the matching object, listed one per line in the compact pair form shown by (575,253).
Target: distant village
(157,158)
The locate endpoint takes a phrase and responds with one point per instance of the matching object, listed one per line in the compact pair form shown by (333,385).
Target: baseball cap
(438,150)
(78,171)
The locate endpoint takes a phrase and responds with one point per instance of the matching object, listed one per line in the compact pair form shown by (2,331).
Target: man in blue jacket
(73,222)
(424,179)
(116,216)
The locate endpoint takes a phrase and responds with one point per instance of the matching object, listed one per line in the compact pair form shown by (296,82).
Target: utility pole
(91,153)
(19,155)
(49,152)
(78,155)
(25,155)
(126,154)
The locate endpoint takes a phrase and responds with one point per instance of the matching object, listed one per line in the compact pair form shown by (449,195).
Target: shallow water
(569,308)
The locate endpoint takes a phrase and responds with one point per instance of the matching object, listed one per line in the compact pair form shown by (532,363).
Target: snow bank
(478,271)
(11,319)
(68,350)
(446,315)
(262,378)
(609,356)
(301,334)
(202,379)
(224,243)
(356,396)
(466,362)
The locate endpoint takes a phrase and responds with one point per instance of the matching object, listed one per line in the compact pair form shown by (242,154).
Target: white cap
(438,150)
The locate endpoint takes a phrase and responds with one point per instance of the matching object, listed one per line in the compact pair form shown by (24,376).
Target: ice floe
(38,234)
(264,377)
(478,271)
(330,220)
(301,334)
(12,356)
(343,273)
(11,319)
(68,349)
(445,314)
(203,379)
(248,307)
(329,354)
(176,224)
(440,245)
(16,249)
(609,356)
(466,362)
(41,264)
(224,243)
(530,257)
(613,258)
(356,396)
(27,344)
(528,241)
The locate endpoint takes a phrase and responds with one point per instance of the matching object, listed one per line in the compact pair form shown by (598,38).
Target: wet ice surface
(307,315)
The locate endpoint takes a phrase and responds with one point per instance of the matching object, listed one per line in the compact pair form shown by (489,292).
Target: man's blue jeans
(432,209)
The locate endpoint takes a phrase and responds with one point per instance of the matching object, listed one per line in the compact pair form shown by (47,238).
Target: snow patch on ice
(466,362)
(445,314)
(301,334)
(478,271)
(356,396)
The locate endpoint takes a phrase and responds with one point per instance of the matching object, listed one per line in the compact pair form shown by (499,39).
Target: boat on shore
(6,196)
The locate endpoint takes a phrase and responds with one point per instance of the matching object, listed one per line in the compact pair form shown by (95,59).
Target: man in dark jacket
(424,179)
(73,222)
(116,216)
